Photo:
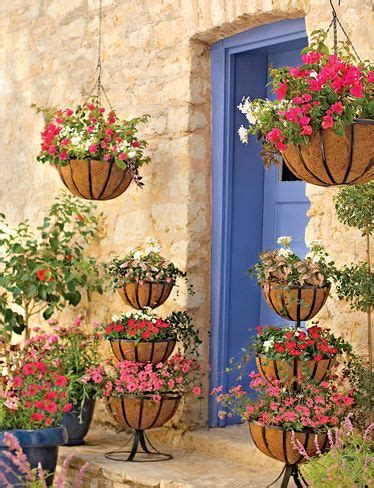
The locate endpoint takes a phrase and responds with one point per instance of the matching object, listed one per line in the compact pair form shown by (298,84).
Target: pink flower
(304,120)
(135,143)
(69,112)
(156,398)
(306,130)
(327,122)
(65,142)
(93,148)
(90,128)
(101,110)
(122,156)
(52,150)
(337,108)
(196,390)
(281,91)
(63,155)
(91,106)
(357,90)
(106,157)
(108,132)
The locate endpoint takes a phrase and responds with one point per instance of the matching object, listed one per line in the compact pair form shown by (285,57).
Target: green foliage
(45,270)
(354,207)
(348,464)
(356,285)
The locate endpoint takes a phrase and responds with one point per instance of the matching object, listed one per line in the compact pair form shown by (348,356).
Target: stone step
(215,458)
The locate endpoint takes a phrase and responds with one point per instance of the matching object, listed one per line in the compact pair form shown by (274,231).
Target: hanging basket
(140,412)
(276,443)
(94,180)
(153,352)
(330,160)
(146,294)
(286,370)
(295,303)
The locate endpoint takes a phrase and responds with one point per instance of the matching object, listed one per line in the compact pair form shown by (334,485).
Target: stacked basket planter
(140,412)
(298,304)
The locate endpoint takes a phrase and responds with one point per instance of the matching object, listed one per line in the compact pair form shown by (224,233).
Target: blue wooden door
(251,206)
(285,202)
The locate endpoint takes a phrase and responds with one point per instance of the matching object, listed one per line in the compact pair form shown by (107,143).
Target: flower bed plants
(96,154)
(322,119)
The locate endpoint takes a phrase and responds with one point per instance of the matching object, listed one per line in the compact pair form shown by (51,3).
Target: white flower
(4,372)
(116,318)
(131,154)
(138,255)
(243,134)
(246,108)
(268,344)
(313,74)
(284,241)
(285,252)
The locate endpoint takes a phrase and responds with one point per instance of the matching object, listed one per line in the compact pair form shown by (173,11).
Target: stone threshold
(215,458)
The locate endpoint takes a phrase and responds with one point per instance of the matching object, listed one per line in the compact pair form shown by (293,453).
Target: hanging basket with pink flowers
(322,122)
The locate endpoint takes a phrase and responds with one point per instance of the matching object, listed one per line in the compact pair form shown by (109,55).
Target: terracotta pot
(153,352)
(330,160)
(287,370)
(276,443)
(140,412)
(295,303)
(94,180)
(145,294)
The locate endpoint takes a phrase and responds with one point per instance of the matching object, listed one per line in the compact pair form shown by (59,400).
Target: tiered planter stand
(141,412)
(296,304)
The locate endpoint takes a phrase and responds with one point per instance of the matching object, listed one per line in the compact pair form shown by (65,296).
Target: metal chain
(99,66)
(334,24)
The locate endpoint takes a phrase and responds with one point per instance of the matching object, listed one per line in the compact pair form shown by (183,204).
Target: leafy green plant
(43,271)
(348,463)
(354,207)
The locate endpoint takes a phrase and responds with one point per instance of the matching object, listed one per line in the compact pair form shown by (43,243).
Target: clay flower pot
(146,294)
(330,160)
(154,352)
(286,370)
(276,443)
(295,303)
(140,412)
(94,180)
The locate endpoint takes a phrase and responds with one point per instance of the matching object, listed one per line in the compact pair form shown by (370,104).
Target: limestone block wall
(155,61)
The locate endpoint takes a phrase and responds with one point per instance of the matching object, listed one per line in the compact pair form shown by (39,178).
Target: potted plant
(287,354)
(355,281)
(294,288)
(143,337)
(77,350)
(143,277)
(42,271)
(278,416)
(96,154)
(32,404)
(322,120)
(143,396)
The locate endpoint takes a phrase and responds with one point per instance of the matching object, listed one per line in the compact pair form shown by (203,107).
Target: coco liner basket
(276,443)
(141,412)
(157,351)
(286,370)
(295,303)
(94,180)
(329,159)
(146,294)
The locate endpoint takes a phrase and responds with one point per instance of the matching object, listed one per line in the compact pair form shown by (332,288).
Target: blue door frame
(222,74)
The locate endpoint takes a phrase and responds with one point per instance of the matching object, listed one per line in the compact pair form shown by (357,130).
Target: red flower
(44,275)
(135,143)
(281,91)
(357,90)
(146,334)
(118,328)
(93,148)
(318,357)
(61,381)
(63,155)
(67,407)
(122,156)
(37,417)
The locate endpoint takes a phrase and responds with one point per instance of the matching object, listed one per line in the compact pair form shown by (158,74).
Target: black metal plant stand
(291,470)
(148,454)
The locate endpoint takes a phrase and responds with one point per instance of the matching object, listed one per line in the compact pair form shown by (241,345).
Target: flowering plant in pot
(276,412)
(41,271)
(76,350)
(143,277)
(143,337)
(143,396)
(322,118)
(32,403)
(96,154)
(285,353)
(295,288)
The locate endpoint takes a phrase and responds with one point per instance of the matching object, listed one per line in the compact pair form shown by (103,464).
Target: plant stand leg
(147,454)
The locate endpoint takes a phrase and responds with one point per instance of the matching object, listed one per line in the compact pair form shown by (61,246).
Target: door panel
(285,202)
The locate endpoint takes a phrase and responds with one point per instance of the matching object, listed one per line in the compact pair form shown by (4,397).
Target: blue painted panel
(238,67)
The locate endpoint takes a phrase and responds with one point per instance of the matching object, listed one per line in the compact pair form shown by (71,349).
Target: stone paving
(216,458)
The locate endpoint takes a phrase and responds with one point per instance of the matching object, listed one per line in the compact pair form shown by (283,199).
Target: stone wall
(156,61)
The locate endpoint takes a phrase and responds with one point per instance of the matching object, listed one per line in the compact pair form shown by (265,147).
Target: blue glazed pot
(76,429)
(40,446)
